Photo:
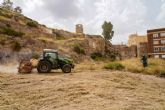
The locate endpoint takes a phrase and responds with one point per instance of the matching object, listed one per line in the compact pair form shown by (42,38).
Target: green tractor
(51,60)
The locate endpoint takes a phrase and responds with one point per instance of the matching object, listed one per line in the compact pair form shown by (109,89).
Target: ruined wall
(66,34)
(125,51)
(79,29)
(96,44)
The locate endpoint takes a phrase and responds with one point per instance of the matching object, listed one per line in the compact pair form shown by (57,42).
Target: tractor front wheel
(44,67)
(66,68)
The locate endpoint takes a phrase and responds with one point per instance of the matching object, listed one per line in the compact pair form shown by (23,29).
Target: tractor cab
(50,53)
(51,56)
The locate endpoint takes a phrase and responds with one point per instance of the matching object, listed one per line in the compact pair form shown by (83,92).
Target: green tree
(107,30)
(7,4)
(18,9)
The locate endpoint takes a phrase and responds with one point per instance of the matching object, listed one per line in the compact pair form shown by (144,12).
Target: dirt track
(90,90)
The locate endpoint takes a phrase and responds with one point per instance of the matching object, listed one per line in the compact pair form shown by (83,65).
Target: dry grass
(2,18)
(90,65)
(46,39)
(88,90)
(155,66)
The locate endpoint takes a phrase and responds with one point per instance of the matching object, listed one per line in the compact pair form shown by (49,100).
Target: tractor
(49,60)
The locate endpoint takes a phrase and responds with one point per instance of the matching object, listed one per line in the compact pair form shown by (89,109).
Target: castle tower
(79,29)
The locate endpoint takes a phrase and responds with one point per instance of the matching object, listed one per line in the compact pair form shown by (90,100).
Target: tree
(7,4)
(108,32)
(18,9)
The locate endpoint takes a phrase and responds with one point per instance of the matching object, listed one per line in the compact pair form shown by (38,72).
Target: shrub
(8,25)
(114,66)
(113,57)
(60,38)
(2,42)
(97,56)
(162,74)
(79,49)
(44,25)
(32,24)
(16,46)
(11,32)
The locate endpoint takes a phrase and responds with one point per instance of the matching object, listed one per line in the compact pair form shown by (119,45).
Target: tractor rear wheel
(44,67)
(66,68)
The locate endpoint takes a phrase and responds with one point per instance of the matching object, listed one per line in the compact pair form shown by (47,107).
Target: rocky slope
(22,37)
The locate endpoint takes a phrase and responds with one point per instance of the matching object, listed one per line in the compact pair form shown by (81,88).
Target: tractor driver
(50,58)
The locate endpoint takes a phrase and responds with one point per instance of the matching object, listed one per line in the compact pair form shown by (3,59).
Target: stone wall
(79,29)
(125,51)
(66,34)
(96,43)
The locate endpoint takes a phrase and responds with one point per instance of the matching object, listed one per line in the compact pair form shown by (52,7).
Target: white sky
(127,16)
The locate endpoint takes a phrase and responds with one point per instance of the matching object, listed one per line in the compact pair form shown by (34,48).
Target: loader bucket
(25,66)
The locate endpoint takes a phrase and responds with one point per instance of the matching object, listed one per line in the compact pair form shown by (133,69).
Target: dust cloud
(9,68)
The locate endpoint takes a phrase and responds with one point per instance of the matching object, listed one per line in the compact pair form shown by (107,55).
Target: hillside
(22,37)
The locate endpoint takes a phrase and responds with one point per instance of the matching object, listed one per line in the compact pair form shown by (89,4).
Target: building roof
(50,50)
(155,30)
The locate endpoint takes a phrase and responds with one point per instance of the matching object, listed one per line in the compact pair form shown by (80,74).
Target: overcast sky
(127,16)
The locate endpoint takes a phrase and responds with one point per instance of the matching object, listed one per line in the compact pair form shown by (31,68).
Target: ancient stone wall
(96,44)
(66,34)
(125,51)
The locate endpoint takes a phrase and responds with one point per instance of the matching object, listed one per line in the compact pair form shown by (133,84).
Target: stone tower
(79,29)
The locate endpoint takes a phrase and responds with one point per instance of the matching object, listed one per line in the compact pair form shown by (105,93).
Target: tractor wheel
(66,68)
(44,67)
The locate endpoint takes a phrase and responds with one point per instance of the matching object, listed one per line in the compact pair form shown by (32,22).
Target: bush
(97,56)
(79,49)
(16,46)
(114,66)
(162,74)
(32,24)
(60,38)
(11,32)
(8,25)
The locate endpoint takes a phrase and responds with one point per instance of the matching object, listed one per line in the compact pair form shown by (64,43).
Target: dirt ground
(88,90)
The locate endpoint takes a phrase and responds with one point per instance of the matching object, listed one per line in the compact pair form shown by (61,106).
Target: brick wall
(156,43)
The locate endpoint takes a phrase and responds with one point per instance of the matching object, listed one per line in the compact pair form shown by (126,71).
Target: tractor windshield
(52,55)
